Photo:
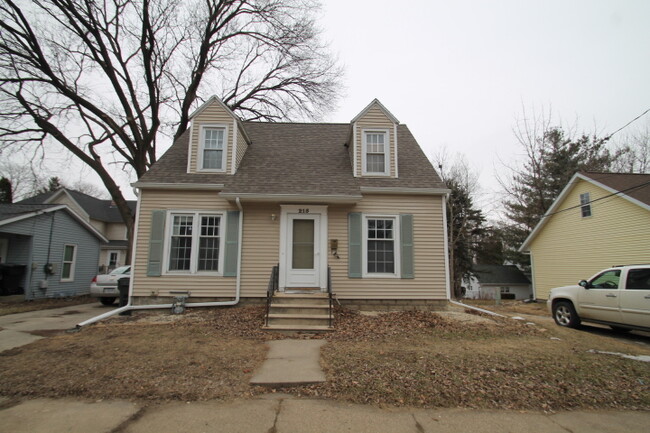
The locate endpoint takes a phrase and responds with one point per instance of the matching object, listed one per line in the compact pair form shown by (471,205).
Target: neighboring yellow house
(599,220)
(230,200)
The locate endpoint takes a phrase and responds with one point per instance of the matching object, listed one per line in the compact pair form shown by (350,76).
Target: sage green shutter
(231,253)
(354,245)
(406,245)
(156,241)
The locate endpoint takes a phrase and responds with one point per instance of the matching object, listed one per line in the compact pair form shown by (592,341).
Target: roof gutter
(131,307)
(185,186)
(292,197)
(406,191)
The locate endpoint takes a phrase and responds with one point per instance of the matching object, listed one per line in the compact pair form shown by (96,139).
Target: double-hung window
(212,152)
(381,246)
(585,205)
(195,242)
(376,153)
(69,260)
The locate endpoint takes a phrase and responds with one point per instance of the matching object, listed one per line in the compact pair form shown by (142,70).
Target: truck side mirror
(584,283)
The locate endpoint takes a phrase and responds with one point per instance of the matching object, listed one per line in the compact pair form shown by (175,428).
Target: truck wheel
(107,301)
(565,315)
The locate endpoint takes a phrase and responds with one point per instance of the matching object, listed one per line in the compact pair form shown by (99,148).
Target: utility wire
(598,199)
(628,123)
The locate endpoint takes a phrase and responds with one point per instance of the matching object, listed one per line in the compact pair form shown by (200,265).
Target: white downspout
(130,307)
(446,246)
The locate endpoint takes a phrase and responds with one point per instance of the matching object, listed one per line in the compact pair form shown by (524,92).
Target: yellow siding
(375,118)
(115,231)
(213,114)
(242,146)
(261,248)
(99,225)
(429,252)
(200,286)
(570,248)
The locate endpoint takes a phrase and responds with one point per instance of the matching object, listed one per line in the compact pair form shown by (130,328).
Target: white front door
(303,260)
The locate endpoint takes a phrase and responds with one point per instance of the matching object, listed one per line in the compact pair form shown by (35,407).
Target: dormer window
(212,155)
(375,152)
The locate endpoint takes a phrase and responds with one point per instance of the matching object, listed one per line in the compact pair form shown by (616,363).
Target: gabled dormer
(374,142)
(218,141)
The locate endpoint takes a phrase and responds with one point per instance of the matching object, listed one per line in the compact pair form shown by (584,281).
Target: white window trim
(397,247)
(196,227)
(108,257)
(224,159)
(387,152)
(588,204)
(73,263)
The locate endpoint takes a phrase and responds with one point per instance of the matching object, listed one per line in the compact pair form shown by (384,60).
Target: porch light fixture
(273,217)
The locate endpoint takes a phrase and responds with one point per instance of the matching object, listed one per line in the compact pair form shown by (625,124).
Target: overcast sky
(459,72)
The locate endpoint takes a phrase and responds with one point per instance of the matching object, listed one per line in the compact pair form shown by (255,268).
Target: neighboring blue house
(46,251)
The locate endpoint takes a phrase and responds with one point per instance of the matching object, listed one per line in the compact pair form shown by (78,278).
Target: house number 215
(303,210)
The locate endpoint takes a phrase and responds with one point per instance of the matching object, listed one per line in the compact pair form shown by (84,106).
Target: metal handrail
(271,288)
(329,292)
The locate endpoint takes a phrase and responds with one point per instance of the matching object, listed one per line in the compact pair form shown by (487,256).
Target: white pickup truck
(618,297)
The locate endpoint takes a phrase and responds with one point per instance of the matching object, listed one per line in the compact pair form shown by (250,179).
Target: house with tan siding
(599,220)
(235,207)
(102,214)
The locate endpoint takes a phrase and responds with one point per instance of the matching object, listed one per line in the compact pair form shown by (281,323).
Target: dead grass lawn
(404,359)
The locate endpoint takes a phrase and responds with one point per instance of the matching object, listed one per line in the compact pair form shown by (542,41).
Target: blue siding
(65,230)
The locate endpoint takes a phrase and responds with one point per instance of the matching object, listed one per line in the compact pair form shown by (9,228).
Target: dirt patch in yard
(410,358)
(510,307)
(42,304)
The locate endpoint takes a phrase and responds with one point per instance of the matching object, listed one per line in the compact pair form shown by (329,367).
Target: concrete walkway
(291,363)
(280,413)
(22,328)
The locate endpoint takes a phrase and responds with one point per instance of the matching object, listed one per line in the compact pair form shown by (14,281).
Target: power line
(628,123)
(598,199)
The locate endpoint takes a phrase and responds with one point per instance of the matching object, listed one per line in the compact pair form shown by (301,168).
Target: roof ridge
(294,123)
(614,173)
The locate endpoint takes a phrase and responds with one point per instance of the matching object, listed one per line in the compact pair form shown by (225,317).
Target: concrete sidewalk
(291,363)
(286,414)
(17,329)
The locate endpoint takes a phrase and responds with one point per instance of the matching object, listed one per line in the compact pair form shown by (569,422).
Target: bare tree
(464,220)
(104,78)
(24,180)
(552,155)
(634,152)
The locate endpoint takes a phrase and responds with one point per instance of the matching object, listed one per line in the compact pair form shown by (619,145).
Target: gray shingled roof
(499,274)
(8,211)
(102,210)
(298,158)
(633,185)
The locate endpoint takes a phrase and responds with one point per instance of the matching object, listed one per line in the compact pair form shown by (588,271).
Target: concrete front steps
(299,312)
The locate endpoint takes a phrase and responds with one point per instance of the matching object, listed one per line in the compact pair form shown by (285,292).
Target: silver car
(104,286)
(618,297)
